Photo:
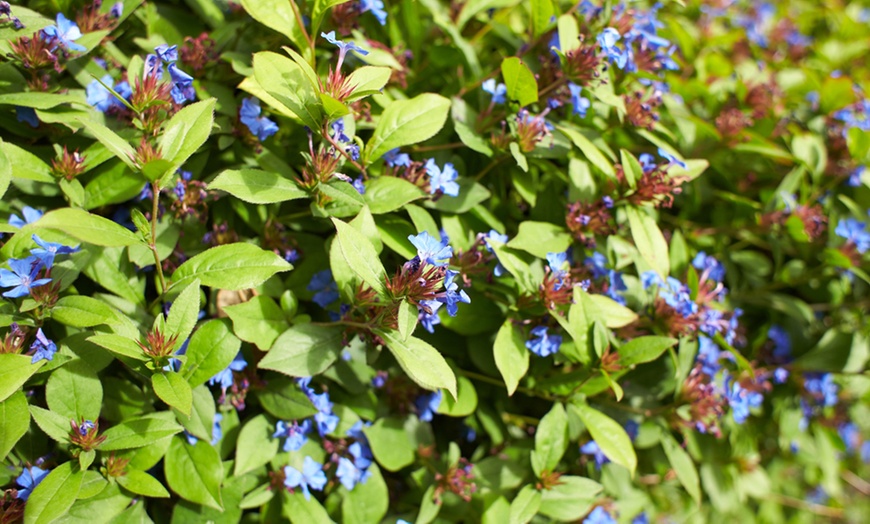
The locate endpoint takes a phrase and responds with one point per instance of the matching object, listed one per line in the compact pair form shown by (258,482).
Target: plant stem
(155,192)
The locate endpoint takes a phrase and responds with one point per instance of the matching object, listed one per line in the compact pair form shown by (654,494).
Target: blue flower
(708,355)
(43,348)
(543,344)
(607,40)
(781,343)
(27,115)
(182,85)
(449,296)
(348,474)
(358,183)
(167,53)
(22,278)
(311,477)
(704,262)
(640,519)
(822,387)
(343,47)
(30,216)
(431,319)
(592,448)
(599,516)
(498,91)
(557,263)
(581,104)
(443,180)
(616,286)
(260,126)
(376,7)
(671,158)
(102,99)
(225,377)
(217,432)
(394,158)
(63,34)
(741,400)
(29,479)
(854,179)
(325,287)
(431,250)
(294,432)
(780,375)
(117,10)
(597,263)
(326,422)
(427,405)
(854,231)
(47,250)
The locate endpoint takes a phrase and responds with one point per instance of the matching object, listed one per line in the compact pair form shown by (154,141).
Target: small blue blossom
(780,375)
(854,231)
(85,427)
(325,287)
(599,515)
(31,215)
(822,387)
(449,296)
(64,33)
(224,378)
(741,400)
(592,448)
(259,126)
(394,158)
(640,519)
(541,343)
(708,356)
(48,250)
(28,480)
(166,53)
(217,432)
(358,183)
(443,180)
(375,7)
(343,47)
(616,286)
(22,277)
(581,104)
(430,249)
(498,91)
(311,477)
(117,10)
(182,85)
(427,405)
(704,262)
(431,319)
(102,99)
(597,263)
(294,432)
(607,41)
(558,262)
(27,115)
(781,343)
(671,158)
(854,179)
(43,348)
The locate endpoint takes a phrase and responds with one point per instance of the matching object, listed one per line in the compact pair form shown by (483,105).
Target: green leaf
(194,472)
(200,422)
(140,431)
(231,266)
(89,228)
(407,319)
(183,314)
(609,435)
(114,143)
(571,498)
(366,502)
(511,355)
(551,440)
(540,238)
(74,392)
(361,257)
(283,399)
(53,496)
(613,314)
(406,122)
(592,153)
(142,483)
(121,346)
(422,362)
(258,321)
(465,403)
(388,193)
(649,240)
(368,80)
(14,422)
(54,425)
(276,15)
(543,12)
(344,199)
(569,33)
(288,84)
(27,165)
(644,349)
(80,311)
(257,187)
(5,171)
(631,168)
(174,390)
(14,372)
(304,350)
(186,131)
(525,506)
(516,266)
(211,349)
(810,149)
(390,444)
(255,446)
(683,466)
(299,510)
(520,81)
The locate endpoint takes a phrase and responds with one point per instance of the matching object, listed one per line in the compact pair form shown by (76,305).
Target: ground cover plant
(426,261)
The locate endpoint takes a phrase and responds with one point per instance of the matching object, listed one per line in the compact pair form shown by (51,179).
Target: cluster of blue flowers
(597,263)
(855,232)
(225,378)
(542,343)
(182,83)
(437,253)
(102,99)
(325,420)
(643,36)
